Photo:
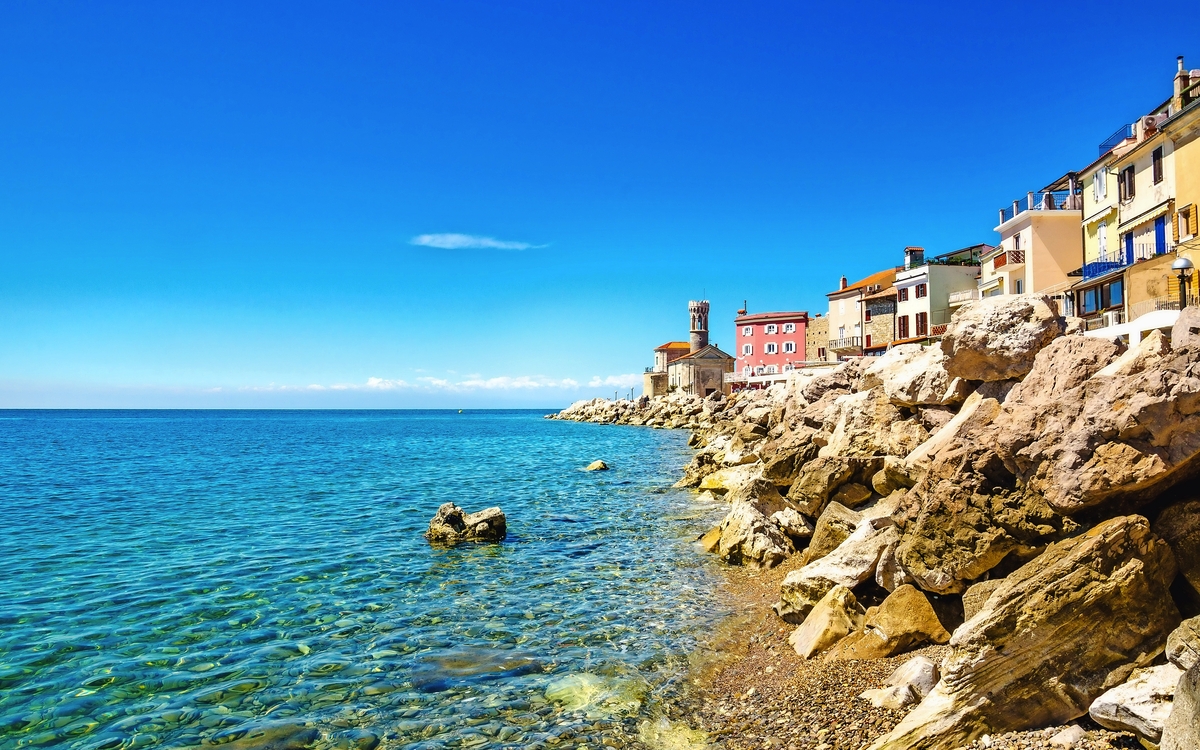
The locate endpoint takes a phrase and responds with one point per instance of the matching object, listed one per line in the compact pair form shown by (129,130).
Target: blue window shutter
(1160,235)
(1129,248)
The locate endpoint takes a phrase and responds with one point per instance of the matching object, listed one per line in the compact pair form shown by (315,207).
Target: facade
(1040,245)
(702,370)
(769,343)
(654,381)
(879,321)
(923,290)
(816,338)
(847,311)
(1129,289)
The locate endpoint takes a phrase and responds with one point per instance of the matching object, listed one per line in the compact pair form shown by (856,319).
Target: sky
(481,204)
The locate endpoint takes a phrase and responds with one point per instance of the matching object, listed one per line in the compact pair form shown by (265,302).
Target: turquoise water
(259,579)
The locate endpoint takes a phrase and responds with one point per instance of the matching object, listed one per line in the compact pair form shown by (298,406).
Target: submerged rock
(597,466)
(451,525)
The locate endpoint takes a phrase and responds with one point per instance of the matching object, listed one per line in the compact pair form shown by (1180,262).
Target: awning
(990,285)
(1145,216)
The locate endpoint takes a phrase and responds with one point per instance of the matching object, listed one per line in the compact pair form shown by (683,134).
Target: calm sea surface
(259,579)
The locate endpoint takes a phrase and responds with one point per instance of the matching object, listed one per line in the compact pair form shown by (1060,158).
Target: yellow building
(1183,128)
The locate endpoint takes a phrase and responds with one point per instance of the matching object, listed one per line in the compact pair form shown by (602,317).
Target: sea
(260,579)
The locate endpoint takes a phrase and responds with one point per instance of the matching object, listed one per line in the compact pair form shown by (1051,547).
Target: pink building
(769,343)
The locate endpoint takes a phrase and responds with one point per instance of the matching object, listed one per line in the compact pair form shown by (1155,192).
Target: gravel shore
(753,691)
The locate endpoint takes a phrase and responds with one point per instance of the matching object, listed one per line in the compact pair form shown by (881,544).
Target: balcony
(1124,133)
(1098,268)
(963,296)
(1008,258)
(1147,250)
(1050,200)
(1158,303)
(843,344)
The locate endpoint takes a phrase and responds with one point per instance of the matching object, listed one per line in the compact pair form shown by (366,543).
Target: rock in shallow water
(451,525)
(597,466)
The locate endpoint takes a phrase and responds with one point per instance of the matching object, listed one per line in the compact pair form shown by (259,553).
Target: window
(821,352)
(1102,239)
(748,369)
(922,290)
(747,330)
(772,328)
(1116,293)
(902,294)
(1017,241)
(867,343)
(902,326)
(922,324)
(789,327)
(1091,300)
(1156,164)
(789,347)
(1100,185)
(771,370)
(867,315)
(771,348)
(1125,184)
(747,348)
(1018,286)
(1184,222)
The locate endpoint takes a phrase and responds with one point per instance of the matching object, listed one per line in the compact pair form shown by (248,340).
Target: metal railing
(1158,303)
(1147,250)
(654,369)
(849,342)
(1050,200)
(1098,268)
(1123,133)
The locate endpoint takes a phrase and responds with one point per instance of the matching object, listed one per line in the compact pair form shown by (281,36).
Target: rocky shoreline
(1016,502)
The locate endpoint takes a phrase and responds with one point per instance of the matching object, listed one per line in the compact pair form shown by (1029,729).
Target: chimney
(843,286)
(1182,80)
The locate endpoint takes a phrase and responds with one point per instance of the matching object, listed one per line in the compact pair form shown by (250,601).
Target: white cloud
(468,242)
(616,381)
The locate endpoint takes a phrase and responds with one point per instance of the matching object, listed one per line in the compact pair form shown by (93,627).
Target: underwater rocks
(451,525)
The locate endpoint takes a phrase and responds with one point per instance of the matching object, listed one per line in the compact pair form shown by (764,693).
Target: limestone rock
(1060,631)
(1072,735)
(1148,353)
(1183,645)
(910,375)
(1179,525)
(834,526)
(889,573)
(977,595)
(785,457)
(817,481)
(450,525)
(1140,705)
(833,618)
(1186,331)
(851,495)
(1182,730)
(911,682)
(902,622)
(793,524)
(597,466)
(724,480)
(997,338)
(747,534)
(868,424)
(850,564)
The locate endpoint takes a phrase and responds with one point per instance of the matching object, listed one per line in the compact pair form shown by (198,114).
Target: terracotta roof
(883,278)
(695,355)
(673,345)
(889,291)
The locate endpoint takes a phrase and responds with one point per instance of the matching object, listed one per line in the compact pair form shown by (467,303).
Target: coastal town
(1113,243)
(961,504)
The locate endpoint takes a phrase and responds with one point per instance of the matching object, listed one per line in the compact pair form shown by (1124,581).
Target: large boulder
(868,424)
(1182,730)
(836,616)
(1059,632)
(902,622)
(816,482)
(747,535)
(1183,645)
(1179,525)
(785,457)
(729,478)
(1140,705)
(996,338)
(852,563)
(977,595)
(1186,331)
(836,524)
(910,375)
(450,525)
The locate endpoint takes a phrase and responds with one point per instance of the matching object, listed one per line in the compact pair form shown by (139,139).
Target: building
(923,290)
(769,345)
(1040,245)
(846,313)
(879,321)
(816,338)
(694,366)
(1127,287)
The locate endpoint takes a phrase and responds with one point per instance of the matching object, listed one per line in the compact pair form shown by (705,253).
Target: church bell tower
(699,332)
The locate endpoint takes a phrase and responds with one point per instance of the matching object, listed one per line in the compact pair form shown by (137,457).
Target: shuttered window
(902,326)
(922,324)
(1156,164)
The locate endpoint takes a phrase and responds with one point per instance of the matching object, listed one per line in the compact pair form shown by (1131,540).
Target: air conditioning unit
(1152,122)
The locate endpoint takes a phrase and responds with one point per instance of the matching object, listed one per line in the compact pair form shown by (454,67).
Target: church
(694,366)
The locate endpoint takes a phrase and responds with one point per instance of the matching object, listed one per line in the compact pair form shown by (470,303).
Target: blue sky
(248,204)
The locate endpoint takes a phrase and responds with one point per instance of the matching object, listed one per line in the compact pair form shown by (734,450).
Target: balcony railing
(1050,200)
(1123,133)
(1098,268)
(1147,250)
(654,369)
(963,296)
(1158,303)
(849,342)
(1008,258)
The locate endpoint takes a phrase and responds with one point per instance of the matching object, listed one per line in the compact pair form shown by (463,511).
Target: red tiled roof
(673,345)
(882,278)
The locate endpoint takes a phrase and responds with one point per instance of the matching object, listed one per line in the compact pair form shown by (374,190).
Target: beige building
(879,321)
(847,313)
(816,338)
(694,366)
(923,290)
